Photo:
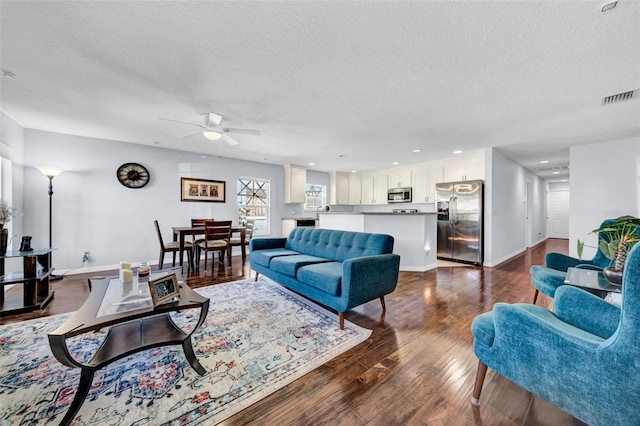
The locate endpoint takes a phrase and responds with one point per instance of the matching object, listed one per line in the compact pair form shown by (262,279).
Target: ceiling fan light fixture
(212,135)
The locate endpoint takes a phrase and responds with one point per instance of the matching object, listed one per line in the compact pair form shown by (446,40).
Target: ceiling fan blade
(243,131)
(228,139)
(189,134)
(183,122)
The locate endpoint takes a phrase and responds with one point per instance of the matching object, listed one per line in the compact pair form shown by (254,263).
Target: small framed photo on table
(164,289)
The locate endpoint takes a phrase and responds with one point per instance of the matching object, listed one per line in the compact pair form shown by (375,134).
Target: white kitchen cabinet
(295,184)
(401,178)
(355,188)
(374,188)
(464,168)
(339,188)
(287,226)
(422,188)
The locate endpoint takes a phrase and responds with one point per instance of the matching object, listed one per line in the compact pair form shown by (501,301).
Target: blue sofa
(337,269)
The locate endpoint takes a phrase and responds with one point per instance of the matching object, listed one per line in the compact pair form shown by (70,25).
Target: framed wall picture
(164,289)
(210,191)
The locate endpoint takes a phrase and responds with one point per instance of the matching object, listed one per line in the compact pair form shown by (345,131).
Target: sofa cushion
(338,245)
(263,257)
(323,276)
(289,265)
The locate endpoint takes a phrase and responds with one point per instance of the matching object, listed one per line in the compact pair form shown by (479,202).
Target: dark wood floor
(417,367)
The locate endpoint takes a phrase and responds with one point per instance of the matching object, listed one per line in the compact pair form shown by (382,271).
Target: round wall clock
(133,175)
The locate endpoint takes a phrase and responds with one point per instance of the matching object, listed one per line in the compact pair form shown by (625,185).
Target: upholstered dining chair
(172,247)
(548,278)
(199,222)
(584,357)
(217,237)
(237,241)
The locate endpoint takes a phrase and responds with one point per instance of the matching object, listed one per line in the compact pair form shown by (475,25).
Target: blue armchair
(584,357)
(548,278)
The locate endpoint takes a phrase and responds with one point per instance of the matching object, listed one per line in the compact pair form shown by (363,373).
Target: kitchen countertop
(300,218)
(382,213)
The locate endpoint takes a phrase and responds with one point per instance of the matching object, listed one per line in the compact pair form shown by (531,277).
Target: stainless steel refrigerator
(460,221)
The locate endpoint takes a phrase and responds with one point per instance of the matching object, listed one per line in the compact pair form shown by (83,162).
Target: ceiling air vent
(619,97)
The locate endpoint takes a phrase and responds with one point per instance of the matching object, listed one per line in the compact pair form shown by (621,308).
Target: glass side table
(36,288)
(591,280)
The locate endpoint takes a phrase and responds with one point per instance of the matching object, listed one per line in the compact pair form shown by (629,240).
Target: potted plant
(615,242)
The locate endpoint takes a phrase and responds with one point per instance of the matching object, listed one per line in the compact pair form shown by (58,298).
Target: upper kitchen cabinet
(423,189)
(374,188)
(295,183)
(464,168)
(355,188)
(338,188)
(425,178)
(399,178)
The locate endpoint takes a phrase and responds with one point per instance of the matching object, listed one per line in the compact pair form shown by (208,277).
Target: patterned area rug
(258,337)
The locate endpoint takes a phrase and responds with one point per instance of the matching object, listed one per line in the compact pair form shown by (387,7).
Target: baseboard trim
(425,268)
(504,258)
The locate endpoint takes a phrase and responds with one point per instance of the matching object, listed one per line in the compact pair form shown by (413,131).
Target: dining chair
(217,237)
(199,222)
(248,233)
(173,247)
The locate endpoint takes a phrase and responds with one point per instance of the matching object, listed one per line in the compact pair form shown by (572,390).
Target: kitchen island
(415,234)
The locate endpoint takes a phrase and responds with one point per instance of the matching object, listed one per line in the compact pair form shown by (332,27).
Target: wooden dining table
(179,232)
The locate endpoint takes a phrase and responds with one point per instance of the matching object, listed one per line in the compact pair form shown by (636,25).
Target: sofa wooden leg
(384,306)
(341,319)
(535,296)
(480,375)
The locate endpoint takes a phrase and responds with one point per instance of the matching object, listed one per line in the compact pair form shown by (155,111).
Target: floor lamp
(50,172)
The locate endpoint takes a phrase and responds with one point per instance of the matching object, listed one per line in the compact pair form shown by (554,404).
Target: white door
(558,214)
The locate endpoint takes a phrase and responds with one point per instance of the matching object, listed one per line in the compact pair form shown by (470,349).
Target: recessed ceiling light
(312,164)
(555,173)
(395,163)
(417,150)
(457,152)
(544,161)
(354,171)
(608,6)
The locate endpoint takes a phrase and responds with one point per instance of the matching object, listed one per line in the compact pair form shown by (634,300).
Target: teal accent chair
(548,278)
(584,357)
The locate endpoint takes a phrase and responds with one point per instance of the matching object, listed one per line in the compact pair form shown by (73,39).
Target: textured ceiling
(369,80)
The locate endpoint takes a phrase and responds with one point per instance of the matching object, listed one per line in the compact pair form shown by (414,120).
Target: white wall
(12,140)
(505,194)
(93,212)
(603,185)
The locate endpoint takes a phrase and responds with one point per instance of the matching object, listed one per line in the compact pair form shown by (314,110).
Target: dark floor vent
(625,96)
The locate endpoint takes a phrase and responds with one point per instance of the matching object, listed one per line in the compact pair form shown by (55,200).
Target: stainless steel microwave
(399,195)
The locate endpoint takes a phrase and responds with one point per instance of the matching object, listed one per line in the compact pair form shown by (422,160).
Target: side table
(36,289)
(592,281)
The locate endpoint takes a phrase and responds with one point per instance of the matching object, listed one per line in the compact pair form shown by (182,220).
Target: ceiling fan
(212,129)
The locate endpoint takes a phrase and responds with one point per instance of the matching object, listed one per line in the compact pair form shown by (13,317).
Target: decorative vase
(612,275)
(4,238)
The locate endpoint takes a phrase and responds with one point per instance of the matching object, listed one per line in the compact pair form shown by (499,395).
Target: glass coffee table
(591,280)
(133,325)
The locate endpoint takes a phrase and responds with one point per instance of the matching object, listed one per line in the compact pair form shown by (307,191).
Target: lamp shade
(49,171)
